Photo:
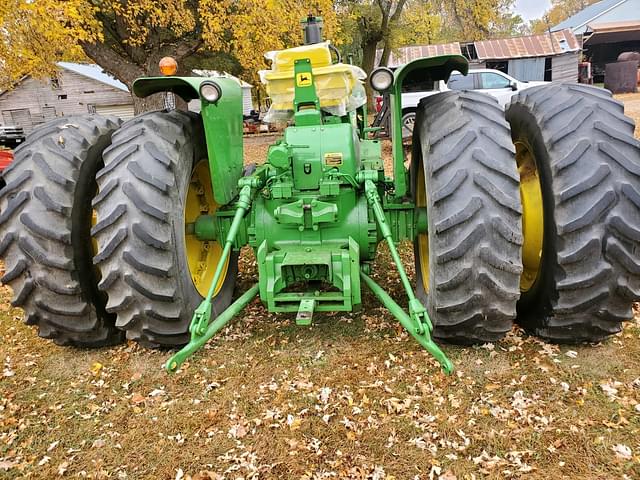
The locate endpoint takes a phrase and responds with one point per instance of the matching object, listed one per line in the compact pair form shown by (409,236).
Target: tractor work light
(381,79)
(210,91)
(168,66)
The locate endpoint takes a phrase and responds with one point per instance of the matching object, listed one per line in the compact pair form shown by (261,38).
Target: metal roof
(612,32)
(404,55)
(94,72)
(544,45)
(586,15)
(606,27)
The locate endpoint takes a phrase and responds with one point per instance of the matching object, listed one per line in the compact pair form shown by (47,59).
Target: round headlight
(210,91)
(381,79)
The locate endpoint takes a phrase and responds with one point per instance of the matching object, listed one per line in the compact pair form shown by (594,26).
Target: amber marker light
(168,66)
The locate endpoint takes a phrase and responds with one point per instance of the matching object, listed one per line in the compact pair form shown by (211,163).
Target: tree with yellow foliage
(127,38)
(385,25)
(560,10)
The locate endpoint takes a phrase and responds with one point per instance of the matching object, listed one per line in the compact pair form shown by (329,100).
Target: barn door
(20,117)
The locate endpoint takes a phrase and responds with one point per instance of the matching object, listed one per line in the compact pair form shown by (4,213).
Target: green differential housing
(310,227)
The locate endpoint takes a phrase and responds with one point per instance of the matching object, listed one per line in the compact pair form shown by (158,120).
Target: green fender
(435,68)
(222,126)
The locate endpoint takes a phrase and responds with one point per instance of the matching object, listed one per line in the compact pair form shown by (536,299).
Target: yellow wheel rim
(423,238)
(532,214)
(202,256)
(94,242)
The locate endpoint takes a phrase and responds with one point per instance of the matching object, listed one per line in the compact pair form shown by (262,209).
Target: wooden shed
(549,56)
(77,89)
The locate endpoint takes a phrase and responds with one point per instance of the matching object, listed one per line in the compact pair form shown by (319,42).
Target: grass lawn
(350,397)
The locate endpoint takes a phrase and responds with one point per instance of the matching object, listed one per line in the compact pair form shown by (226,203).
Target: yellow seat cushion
(338,86)
(318,53)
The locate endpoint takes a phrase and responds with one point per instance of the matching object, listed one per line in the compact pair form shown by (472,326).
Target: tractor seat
(338,86)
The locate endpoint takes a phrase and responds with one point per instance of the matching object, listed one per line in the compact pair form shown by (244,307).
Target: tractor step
(305,312)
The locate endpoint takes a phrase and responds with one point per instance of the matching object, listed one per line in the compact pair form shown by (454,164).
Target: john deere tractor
(112,230)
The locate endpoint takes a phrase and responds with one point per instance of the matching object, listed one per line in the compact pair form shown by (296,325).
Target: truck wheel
(580,167)
(468,262)
(45,224)
(408,122)
(155,182)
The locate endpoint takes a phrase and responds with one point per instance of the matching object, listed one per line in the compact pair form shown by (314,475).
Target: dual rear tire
(573,273)
(468,262)
(45,223)
(136,271)
(154,182)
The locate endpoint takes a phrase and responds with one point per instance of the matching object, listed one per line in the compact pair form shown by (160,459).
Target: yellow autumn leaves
(34,34)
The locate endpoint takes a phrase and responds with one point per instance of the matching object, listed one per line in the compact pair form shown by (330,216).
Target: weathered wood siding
(564,68)
(44,101)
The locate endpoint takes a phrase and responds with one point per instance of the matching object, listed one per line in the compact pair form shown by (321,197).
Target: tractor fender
(187,88)
(433,68)
(222,126)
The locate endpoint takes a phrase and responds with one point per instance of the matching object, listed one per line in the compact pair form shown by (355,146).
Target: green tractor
(133,230)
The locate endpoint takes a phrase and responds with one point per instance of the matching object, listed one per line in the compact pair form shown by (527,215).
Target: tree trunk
(125,70)
(147,104)
(386,53)
(368,64)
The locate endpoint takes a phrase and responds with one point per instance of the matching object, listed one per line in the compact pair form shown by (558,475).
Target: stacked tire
(45,239)
(586,161)
(589,166)
(93,234)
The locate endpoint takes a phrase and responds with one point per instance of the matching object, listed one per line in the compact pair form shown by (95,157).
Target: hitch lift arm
(417,323)
(201,329)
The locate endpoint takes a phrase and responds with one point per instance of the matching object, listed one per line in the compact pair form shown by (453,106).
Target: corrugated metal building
(602,12)
(404,55)
(77,89)
(551,57)
(605,30)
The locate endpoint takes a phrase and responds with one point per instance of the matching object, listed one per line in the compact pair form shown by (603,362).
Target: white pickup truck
(494,82)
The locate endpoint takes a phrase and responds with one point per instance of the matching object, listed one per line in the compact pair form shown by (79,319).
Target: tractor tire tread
(591,163)
(44,241)
(474,211)
(138,251)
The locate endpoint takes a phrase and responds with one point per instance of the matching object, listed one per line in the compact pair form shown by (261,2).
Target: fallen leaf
(137,398)
(7,465)
(622,451)
(293,422)
(96,367)
(98,443)
(238,431)
(448,475)
(207,475)
(62,468)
